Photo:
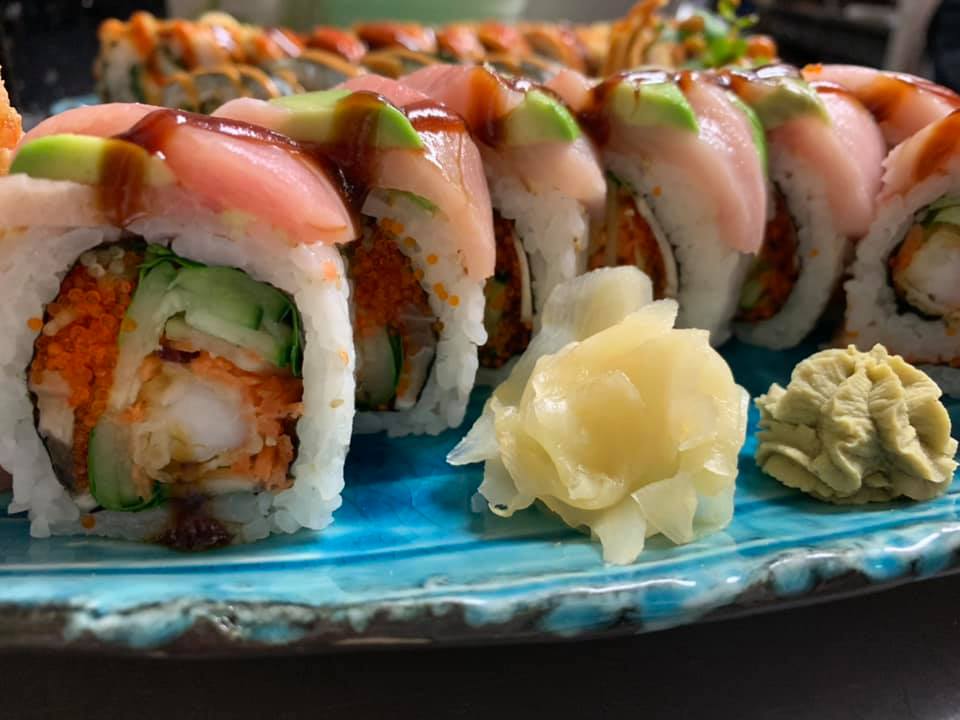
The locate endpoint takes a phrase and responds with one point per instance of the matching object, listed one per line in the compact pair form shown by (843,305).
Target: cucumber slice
(949,215)
(111,472)
(225,292)
(381,357)
(223,285)
(263,343)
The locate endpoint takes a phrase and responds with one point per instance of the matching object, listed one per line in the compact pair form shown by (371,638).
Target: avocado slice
(539,118)
(111,471)
(786,99)
(318,117)
(652,104)
(949,215)
(756,130)
(84,159)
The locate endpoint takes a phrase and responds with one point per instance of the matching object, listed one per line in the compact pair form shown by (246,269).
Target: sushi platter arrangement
(480,332)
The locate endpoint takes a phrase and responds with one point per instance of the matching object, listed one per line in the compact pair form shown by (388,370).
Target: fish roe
(385,285)
(636,243)
(83,351)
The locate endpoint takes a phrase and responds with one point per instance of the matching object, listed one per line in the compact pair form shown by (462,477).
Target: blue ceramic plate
(406,561)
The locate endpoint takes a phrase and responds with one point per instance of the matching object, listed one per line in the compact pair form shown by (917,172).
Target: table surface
(894,654)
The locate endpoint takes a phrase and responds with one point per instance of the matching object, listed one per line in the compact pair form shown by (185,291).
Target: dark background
(893,655)
(890,655)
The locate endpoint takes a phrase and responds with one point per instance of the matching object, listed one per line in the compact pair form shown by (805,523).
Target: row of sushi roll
(199,65)
(202,308)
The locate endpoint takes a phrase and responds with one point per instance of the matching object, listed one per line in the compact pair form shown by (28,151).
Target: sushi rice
(456,301)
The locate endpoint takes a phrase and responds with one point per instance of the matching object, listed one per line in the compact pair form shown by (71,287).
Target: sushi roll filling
(395,329)
(775,272)
(508,313)
(159,379)
(925,265)
(628,238)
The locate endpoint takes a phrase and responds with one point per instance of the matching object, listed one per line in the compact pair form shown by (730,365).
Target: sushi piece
(459,43)
(545,184)
(338,41)
(381,35)
(614,420)
(904,292)
(414,176)
(502,38)
(179,359)
(312,70)
(396,62)
(902,104)
(686,187)
(826,154)
(557,43)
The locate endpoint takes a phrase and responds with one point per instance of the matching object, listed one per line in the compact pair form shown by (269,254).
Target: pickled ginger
(614,420)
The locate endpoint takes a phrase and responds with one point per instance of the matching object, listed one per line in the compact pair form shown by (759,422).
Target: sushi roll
(902,104)
(178,363)
(545,183)
(415,178)
(686,187)
(904,291)
(825,154)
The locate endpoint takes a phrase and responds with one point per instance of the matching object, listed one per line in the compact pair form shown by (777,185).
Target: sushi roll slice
(396,62)
(826,154)
(546,184)
(686,187)
(337,41)
(902,104)
(557,43)
(904,291)
(178,363)
(312,70)
(415,178)
(459,43)
(382,35)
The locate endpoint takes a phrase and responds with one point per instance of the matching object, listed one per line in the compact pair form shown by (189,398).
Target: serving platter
(409,561)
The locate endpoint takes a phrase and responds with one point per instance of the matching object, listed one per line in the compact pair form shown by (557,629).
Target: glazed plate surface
(408,561)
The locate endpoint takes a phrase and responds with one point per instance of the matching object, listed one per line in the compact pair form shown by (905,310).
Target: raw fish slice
(933,151)
(846,153)
(447,170)
(225,165)
(484,99)
(902,104)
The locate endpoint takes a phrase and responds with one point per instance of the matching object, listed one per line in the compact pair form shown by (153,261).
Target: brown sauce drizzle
(593,117)
(393,34)
(944,140)
(349,160)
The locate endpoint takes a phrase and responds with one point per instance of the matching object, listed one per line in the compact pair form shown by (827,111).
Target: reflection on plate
(407,561)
